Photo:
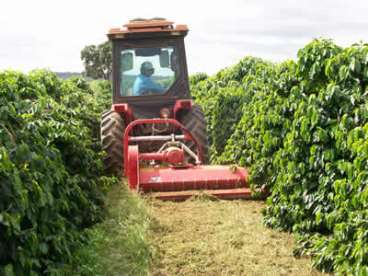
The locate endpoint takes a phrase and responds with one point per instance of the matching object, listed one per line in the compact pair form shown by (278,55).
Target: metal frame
(186,136)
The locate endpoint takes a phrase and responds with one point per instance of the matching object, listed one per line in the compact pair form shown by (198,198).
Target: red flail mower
(154,133)
(167,173)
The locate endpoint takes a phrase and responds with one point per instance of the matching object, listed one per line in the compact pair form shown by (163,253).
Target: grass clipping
(119,245)
(203,236)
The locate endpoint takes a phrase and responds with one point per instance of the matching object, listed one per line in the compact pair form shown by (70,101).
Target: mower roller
(154,134)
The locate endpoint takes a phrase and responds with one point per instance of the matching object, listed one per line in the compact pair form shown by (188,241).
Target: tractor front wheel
(112,131)
(195,122)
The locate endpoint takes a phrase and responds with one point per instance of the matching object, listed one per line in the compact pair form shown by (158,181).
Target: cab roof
(146,28)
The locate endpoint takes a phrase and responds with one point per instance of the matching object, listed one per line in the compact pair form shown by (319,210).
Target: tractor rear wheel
(112,131)
(195,122)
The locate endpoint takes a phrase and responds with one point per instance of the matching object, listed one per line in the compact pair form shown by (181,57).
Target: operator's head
(147,69)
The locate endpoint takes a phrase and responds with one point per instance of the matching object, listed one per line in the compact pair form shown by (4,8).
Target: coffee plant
(51,177)
(301,128)
(223,97)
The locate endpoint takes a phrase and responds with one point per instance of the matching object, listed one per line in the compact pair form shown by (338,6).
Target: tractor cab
(149,64)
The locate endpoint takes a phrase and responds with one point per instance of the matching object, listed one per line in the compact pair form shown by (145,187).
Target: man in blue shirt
(143,84)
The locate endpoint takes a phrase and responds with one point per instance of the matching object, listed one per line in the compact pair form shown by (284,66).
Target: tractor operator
(144,84)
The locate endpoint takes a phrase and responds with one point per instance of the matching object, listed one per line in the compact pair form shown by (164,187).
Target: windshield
(147,71)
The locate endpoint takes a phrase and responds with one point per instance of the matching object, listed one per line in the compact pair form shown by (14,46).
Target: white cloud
(50,34)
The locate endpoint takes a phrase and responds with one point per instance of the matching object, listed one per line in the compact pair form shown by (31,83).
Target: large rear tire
(195,122)
(112,131)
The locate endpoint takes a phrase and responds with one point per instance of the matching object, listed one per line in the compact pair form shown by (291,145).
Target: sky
(50,34)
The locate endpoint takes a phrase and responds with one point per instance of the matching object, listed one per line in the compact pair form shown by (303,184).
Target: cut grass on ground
(119,245)
(207,237)
(196,237)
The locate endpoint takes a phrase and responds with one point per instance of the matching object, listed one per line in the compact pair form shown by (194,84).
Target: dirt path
(203,237)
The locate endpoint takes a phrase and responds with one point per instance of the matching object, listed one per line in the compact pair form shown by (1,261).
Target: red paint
(148,26)
(191,178)
(165,113)
(126,110)
(174,156)
(174,179)
(175,123)
(133,167)
(182,105)
(171,155)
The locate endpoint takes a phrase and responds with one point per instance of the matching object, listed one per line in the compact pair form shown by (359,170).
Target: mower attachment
(169,175)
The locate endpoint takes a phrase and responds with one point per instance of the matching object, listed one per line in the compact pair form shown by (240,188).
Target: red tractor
(154,134)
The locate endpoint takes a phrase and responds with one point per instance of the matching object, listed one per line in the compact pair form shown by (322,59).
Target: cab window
(147,71)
